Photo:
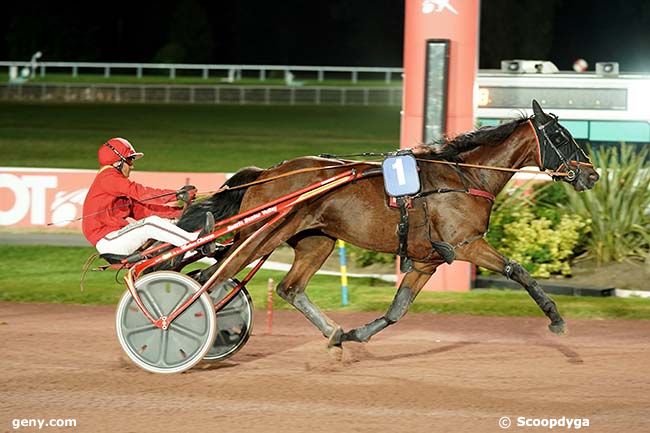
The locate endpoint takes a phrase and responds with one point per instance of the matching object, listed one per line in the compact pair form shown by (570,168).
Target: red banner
(35,197)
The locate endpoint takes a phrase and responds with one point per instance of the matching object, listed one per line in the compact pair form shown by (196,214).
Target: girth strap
(406,264)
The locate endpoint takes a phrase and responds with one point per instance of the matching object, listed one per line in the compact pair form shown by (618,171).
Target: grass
(51,274)
(198,138)
(197,79)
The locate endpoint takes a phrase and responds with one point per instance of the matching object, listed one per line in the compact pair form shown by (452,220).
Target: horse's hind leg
(408,289)
(311,251)
(482,254)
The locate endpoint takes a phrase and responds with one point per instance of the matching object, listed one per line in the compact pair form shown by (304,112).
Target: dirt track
(428,373)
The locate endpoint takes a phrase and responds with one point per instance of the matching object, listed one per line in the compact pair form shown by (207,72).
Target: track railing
(228,72)
(202,94)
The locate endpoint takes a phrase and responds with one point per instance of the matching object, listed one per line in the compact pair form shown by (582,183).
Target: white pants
(129,238)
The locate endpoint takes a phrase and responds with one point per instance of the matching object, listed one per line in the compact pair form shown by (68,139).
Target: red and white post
(458,22)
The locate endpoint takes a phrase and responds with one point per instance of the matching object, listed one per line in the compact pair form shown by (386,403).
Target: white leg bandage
(130,238)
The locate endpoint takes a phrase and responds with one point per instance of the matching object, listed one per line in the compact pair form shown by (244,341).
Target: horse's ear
(538,112)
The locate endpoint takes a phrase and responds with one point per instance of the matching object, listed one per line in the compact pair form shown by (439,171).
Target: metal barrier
(202,94)
(230,72)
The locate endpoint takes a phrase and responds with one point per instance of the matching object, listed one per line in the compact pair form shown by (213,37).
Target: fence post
(321,75)
(167,92)
(42,70)
(242,96)
(75,73)
(143,96)
(317,98)
(344,273)
(172,73)
(192,89)
(117,93)
(269,306)
(262,75)
(354,77)
(139,71)
(365,96)
(205,73)
(107,72)
(388,77)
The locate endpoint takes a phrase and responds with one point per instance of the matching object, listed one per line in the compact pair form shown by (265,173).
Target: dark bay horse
(359,214)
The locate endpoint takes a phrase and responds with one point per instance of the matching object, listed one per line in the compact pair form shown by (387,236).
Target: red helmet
(115,150)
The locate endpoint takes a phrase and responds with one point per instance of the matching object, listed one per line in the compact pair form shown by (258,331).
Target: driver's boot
(211,247)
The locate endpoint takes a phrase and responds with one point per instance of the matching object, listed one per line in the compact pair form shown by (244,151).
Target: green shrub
(526,228)
(540,246)
(618,206)
(546,197)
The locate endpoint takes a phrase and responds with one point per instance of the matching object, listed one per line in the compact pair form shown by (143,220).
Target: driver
(121,215)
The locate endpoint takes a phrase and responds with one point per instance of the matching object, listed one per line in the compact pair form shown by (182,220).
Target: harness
(443,249)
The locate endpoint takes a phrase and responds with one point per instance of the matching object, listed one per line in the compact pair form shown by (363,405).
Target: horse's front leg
(482,254)
(409,288)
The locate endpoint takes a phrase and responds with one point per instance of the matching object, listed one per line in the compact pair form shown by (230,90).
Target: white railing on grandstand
(228,72)
(203,94)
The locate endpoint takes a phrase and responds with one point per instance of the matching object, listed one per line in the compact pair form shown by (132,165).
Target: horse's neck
(515,152)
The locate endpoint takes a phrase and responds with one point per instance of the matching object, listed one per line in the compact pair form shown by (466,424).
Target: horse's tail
(222,205)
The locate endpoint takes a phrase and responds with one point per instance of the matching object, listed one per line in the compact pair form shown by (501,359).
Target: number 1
(398,166)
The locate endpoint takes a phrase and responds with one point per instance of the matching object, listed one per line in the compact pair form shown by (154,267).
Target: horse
(445,215)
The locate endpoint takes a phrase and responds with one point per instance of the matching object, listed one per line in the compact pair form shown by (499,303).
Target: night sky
(302,32)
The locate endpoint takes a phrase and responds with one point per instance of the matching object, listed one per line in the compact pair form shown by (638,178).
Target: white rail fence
(230,72)
(202,94)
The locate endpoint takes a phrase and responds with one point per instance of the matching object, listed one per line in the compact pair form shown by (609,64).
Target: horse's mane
(450,149)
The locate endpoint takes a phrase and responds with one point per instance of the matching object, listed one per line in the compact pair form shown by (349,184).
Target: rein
(376,154)
(490,167)
(287,174)
(109,209)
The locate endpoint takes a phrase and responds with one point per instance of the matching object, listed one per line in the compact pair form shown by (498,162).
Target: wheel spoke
(139,329)
(180,302)
(188,332)
(163,347)
(228,312)
(152,301)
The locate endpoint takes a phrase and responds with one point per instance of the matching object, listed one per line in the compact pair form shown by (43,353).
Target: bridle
(552,134)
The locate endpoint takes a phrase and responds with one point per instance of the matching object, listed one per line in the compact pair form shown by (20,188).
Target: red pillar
(457,21)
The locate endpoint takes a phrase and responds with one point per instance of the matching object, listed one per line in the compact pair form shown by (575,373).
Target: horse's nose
(593,177)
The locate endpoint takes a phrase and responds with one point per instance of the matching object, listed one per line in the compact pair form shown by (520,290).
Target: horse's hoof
(558,328)
(336,338)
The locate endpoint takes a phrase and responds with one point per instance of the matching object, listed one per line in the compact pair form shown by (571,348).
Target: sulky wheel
(234,322)
(188,338)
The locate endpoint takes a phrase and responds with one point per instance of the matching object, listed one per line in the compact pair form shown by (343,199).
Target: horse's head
(559,152)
